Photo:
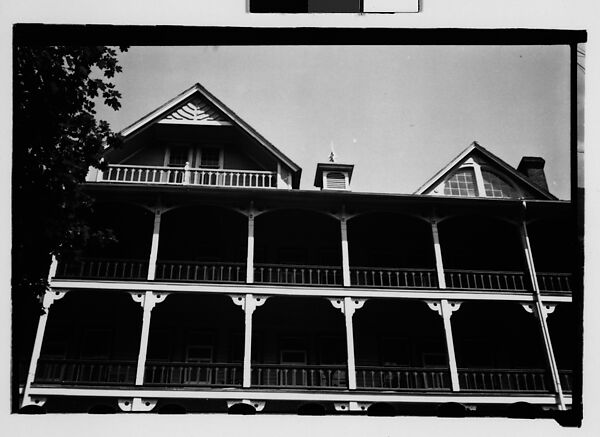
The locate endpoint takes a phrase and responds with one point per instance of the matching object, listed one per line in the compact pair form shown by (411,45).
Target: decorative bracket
(351,406)
(37,401)
(347,304)
(149,299)
(51,296)
(451,306)
(142,405)
(257,405)
(248,301)
(547,308)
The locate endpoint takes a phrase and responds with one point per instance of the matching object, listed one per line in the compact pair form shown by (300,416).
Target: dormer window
(462,183)
(496,186)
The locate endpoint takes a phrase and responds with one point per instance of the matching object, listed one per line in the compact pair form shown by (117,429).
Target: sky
(398,113)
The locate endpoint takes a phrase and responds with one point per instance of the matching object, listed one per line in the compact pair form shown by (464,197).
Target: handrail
(166,167)
(297,266)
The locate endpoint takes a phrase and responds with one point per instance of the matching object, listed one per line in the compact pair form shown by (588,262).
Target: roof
(198,90)
(474,146)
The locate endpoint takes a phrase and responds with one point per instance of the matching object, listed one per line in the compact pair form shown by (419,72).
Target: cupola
(333,176)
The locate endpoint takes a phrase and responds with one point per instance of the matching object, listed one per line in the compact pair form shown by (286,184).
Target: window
(210,157)
(462,183)
(497,187)
(178,156)
(292,351)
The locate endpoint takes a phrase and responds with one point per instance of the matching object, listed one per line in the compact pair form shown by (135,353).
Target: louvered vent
(336,181)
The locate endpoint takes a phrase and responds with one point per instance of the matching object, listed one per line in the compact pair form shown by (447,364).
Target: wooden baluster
(270,181)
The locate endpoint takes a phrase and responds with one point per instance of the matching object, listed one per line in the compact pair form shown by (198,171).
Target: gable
(198,118)
(478,173)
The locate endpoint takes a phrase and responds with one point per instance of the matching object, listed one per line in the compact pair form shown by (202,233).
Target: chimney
(532,167)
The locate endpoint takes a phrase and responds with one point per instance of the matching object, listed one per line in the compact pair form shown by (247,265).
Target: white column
(541,315)
(148,301)
(154,246)
(250,254)
(348,307)
(345,252)
(445,309)
(248,303)
(47,301)
(439,264)
(348,313)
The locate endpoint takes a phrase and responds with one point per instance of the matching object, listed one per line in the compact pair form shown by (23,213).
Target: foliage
(56,138)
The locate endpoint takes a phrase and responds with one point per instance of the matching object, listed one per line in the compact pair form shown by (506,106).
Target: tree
(56,138)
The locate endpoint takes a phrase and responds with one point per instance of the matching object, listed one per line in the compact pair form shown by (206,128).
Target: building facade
(228,288)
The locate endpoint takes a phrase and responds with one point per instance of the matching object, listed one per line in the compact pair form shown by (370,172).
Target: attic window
(462,183)
(335,181)
(497,187)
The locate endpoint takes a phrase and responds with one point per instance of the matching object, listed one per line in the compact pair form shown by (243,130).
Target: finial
(332,154)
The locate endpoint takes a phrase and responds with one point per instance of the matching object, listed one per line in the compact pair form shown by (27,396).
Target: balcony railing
(402,378)
(96,268)
(200,271)
(288,274)
(555,282)
(144,174)
(193,374)
(181,374)
(299,376)
(392,277)
(297,274)
(85,372)
(526,380)
(485,280)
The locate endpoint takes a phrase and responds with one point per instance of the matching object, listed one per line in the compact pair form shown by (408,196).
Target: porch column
(148,301)
(439,264)
(248,303)
(445,309)
(154,247)
(348,307)
(541,314)
(47,300)
(250,254)
(345,252)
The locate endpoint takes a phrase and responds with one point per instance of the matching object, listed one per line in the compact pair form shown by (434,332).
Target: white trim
(273,290)
(283,395)
(196,122)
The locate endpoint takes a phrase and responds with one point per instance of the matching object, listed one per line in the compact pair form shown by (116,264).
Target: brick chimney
(532,167)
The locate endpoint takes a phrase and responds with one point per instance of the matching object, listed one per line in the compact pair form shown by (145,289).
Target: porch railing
(402,378)
(200,271)
(96,268)
(393,277)
(566,380)
(185,374)
(526,380)
(485,280)
(85,372)
(301,376)
(554,282)
(297,274)
(144,174)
